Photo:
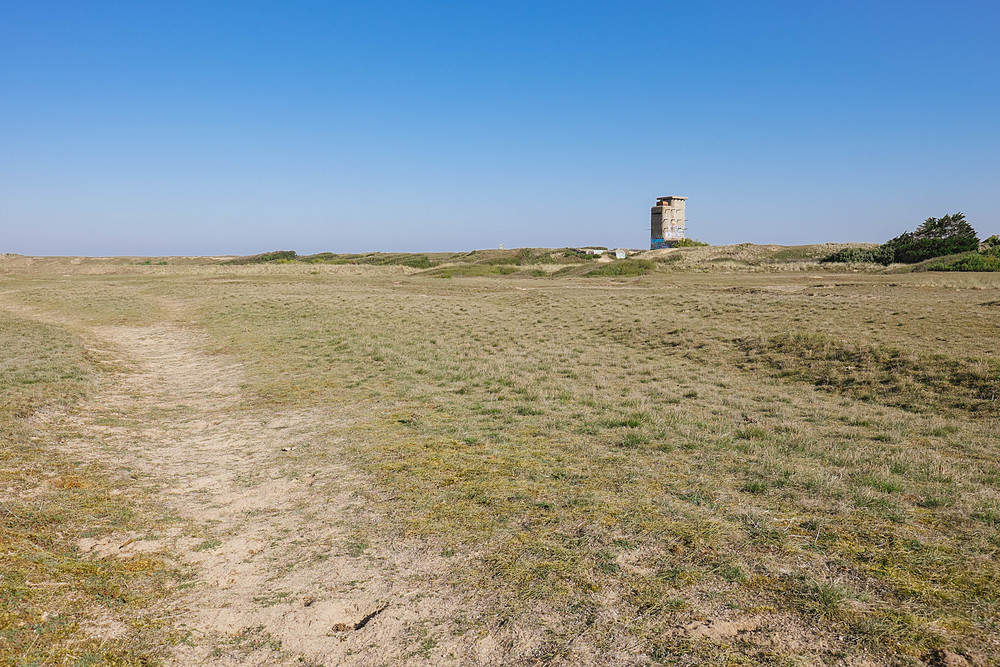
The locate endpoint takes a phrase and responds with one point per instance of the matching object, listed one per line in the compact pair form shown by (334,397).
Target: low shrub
(624,267)
(265,257)
(412,261)
(972,261)
(856,256)
(906,249)
(520,257)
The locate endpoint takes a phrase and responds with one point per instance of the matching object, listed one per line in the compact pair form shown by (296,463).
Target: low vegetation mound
(625,267)
(690,243)
(970,261)
(471,271)
(855,256)
(412,260)
(519,257)
(743,256)
(527,256)
(266,257)
(416,261)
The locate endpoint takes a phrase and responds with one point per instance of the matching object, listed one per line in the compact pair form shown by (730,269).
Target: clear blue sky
(235,127)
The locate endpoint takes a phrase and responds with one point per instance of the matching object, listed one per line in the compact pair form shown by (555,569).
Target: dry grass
(58,606)
(909,380)
(614,466)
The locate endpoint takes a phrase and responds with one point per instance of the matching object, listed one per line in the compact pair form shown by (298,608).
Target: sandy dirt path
(267,535)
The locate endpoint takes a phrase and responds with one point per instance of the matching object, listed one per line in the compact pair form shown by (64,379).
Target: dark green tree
(950,226)
(991,246)
(936,237)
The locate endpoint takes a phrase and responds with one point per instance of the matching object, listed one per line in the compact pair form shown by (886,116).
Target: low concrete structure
(666,222)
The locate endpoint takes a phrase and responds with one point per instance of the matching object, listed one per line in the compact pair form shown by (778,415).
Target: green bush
(509,260)
(624,267)
(418,262)
(991,246)
(690,243)
(265,257)
(973,261)
(395,259)
(412,261)
(856,256)
(521,257)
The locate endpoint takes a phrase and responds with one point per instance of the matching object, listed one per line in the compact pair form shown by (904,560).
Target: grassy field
(733,457)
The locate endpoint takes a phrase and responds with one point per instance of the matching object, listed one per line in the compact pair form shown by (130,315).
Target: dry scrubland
(739,457)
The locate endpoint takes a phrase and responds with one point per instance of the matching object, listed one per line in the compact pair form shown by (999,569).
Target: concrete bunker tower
(666,222)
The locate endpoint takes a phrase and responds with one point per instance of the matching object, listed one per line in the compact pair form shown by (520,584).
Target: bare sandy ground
(267,540)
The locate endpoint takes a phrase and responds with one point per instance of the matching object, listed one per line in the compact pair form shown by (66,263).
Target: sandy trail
(277,578)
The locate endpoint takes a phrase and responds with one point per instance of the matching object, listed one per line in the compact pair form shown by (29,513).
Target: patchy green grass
(56,603)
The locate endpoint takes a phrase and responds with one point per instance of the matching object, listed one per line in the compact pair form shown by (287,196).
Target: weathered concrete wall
(666,221)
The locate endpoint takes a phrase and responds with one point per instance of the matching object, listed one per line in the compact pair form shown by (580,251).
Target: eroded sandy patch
(273,578)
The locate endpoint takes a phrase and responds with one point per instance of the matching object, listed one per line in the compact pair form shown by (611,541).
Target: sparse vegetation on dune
(412,260)
(759,466)
(528,262)
(746,257)
(265,257)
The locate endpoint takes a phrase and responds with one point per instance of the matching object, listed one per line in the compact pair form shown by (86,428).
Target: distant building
(666,222)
